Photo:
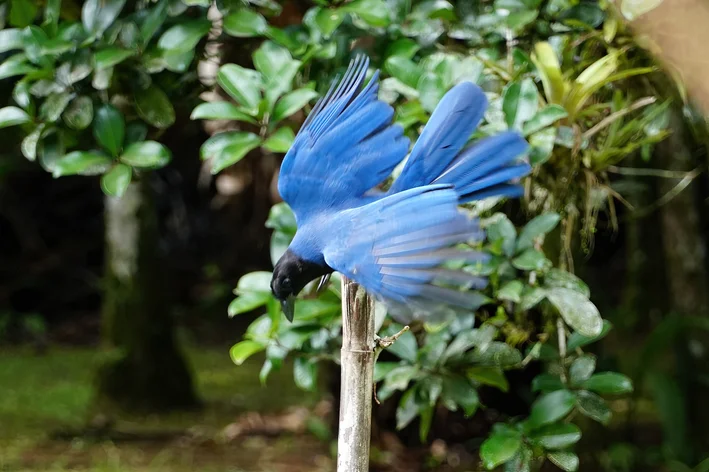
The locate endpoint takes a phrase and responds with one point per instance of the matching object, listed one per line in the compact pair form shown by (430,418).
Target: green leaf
(547,383)
(399,377)
(511,291)
(109,128)
(12,116)
(81,162)
(15,65)
(501,229)
(115,182)
(408,409)
(280,141)
(493,376)
(549,70)
(632,9)
(531,259)
(220,111)
(609,383)
(499,448)
(54,106)
(50,149)
(593,406)
(154,107)
(184,36)
(577,340)
(234,147)
(327,20)
(10,38)
(556,436)
(405,347)
(531,297)
(551,407)
(547,116)
(278,70)
(539,226)
(255,282)
(520,102)
(404,47)
(136,131)
(497,354)
(404,70)
(30,143)
(373,12)
(98,15)
(243,85)
(577,310)
(239,352)
(22,12)
(153,21)
(247,302)
(561,278)
(291,103)
(564,460)
(519,19)
(245,23)
(582,368)
(146,154)
(431,90)
(80,112)
(305,374)
(111,56)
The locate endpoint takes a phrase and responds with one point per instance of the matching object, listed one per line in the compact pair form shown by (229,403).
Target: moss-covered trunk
(147,371)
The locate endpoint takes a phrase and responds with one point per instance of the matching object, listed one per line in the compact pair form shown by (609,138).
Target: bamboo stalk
(357,365)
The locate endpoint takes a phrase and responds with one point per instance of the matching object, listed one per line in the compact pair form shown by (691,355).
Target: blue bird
(393,242)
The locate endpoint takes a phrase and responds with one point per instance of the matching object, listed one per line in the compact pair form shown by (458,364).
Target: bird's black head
(290,275)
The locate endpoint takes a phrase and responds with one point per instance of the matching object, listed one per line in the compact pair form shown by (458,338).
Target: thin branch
(607,121)
(662,173)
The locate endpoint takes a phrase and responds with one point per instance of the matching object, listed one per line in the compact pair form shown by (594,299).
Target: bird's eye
(286,283)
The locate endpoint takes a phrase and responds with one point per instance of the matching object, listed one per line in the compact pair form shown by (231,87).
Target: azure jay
(395,242)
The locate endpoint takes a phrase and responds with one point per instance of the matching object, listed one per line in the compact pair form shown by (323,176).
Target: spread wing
(346,146)
(396,246)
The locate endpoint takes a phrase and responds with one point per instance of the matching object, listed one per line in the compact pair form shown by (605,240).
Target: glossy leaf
(582,368)
(593,406)
(243,85)
(373,12)
(577,340)
(405,347)
(612,383)
(511,291)
(153,21)
(292,102)
(30,143)
(500,447)
(111,56)
(577,310)
(327,20)
(154,106)
(109,128)
(305,373)
(280,141)
(538,226)
(632,9)
(98,15)
(80,112)
(565,460)
(247,302)
(240,352)
(54,106)
(12,116)
(547,116)
(493,376)
(115,182)
(184,36)
(549,70)
(550,408)
(146,154)
(231,148)
(220,111)
(10,38)
(531,259)
(245,23)
(556,436)
(520,103)
(561,278)
(81,162)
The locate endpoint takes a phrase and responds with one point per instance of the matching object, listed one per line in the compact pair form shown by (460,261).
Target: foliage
(94,89)
(554,71)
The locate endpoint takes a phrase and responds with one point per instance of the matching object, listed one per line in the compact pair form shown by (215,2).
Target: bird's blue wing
(487,168)
(346,146)
(396,246)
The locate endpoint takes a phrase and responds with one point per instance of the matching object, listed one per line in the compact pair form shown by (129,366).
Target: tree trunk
(685,260)
(147,373)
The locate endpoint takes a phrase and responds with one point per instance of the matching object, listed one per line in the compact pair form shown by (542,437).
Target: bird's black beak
(288,306)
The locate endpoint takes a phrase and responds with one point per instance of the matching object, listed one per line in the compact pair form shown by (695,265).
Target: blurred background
(141,142)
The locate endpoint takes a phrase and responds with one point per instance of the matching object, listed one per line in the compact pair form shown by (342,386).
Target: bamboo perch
(357,367)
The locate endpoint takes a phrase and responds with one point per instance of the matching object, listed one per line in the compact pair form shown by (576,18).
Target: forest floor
(45,399)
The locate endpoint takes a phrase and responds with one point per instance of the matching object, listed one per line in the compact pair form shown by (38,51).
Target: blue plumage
(393,243)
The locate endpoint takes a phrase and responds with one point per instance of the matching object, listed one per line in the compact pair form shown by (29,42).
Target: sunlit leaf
(115,182)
